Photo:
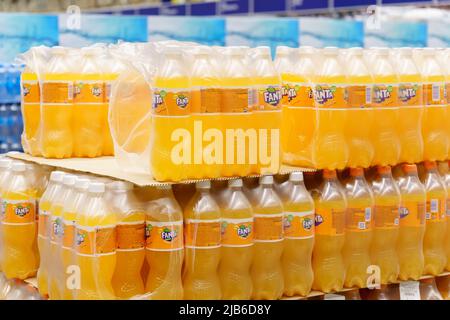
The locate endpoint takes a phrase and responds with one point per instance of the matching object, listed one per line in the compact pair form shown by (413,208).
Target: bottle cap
(306,50)
(357,172)
(164,187)
(18,166)
(262,51)
(329,174)
(97,187)
(120,186)
(82,184)
(283,50)
(206,184)
(428,51)
(330,50)
(356,51)
(69,180)
(266,180)
(296,176)
(236,183)
(57,176)
(383,169)
(429,165)
(5,162)
(409,168)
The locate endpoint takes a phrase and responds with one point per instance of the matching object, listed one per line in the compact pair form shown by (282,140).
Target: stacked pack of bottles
(65,98)
(258,238)
(363,107)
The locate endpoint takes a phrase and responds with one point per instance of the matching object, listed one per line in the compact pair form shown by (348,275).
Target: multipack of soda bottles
(364,107)
(91,237)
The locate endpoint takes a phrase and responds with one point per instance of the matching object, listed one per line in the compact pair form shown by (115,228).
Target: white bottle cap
(97,187)
(57,176)
(82,184)
(283,50)
(306,50)
(262,51)
(357,51)
(203,184)
(5,162)
(331,50)
(406,51)
(266,180)
(428,51)
(296,176)
(120,186)
(69,180)
(236,183)
(18,166)
(58,50)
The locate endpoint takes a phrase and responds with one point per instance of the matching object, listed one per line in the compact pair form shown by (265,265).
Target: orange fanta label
(30,92)
(171,103)
(205,100)
(130,235)
(164,236)
(385,95)
(386,217)
(57,92)
(330,96)
(434,94)
(237,232)
(298,225)
(89,92)
(410,94)
(268,227)
(359,96)
(329,222)
(69,234)
(19,212)
(358,219)
(412,214)
(202,233)
(269,97)
(435,209)
(235,100)
(43,223)
(95,240)
(300,95)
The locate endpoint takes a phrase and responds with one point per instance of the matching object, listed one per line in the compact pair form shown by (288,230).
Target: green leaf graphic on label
(319,88)
(271,89)
(166,230)
(290,217)
(162,93)
(389,89)
(297,88)
(333,89)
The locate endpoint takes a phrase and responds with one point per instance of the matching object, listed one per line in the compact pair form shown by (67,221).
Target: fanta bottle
(205,113)
(202,241)
(237,244)
(444,56)
(299,116)
(70,210)
(298,237)
(359,111)
(57,105)
(445,174)
(385,109)
(130,252)
(410,100)
(44,229)
(164,254)
(434,124)
(358,229)
(5,165)
(266,111)
(236,101)
(96,246)
(35,60)
(171,113)
(436,221)
(330,148)
(19,227)
(386,224)
(412,224)
(266,269)
(330,210)
(89,96)
(56,274)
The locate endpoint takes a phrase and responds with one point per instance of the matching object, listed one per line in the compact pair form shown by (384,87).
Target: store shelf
(108,166)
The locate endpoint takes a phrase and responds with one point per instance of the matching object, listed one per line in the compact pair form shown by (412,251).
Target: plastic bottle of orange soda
(386,224)
(237,243)
(358,232)
(164,247)
(5,165)
(445,174)
(412,224)
(330,210)
(202,241)
(436,221)
(298,226)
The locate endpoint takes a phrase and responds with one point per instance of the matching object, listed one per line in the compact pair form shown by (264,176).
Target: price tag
(409,290)
(332,296)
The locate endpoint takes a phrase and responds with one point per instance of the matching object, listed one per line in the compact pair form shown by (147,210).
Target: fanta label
(433,94)
(300,95)
(164,236)
(412,214)
(57,229)
(358,219)
(330,96)
(447,91)
(448,208)
(58,92)
(43,223)
(19,212)
(171,103)
(386,217)
(269,97)
(329,222)
(237,232)
(285,94)
(69,234)
(235,100)
(410,94)
(89,92)
(203,234)
(298,225)
(31,92)
(92,241)
(130,236)
(359,96)
(205,100)
(435,210)
(385,95)
(268,227)
(107,94)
